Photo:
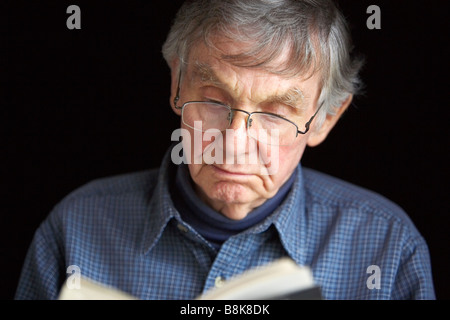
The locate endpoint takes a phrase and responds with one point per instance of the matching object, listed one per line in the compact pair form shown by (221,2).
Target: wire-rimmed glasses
(265,127)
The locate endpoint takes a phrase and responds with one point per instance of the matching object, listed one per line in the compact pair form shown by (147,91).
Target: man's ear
(318,135)
(174,75)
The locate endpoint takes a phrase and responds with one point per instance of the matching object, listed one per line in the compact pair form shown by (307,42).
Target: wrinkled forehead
(251,56)
(206,67)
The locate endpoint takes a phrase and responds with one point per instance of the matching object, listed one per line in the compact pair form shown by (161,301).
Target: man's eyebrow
(294,97)
(204,73)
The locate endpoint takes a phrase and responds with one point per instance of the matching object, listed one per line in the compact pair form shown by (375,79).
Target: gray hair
(313,32)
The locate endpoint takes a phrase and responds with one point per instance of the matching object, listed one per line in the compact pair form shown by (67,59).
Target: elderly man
(254,83)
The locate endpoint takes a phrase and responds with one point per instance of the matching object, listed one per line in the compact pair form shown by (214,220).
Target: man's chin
(228,193)
(232,199)
(234,215)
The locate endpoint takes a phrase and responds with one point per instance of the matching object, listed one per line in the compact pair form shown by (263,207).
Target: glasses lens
(272,130)
(205,115)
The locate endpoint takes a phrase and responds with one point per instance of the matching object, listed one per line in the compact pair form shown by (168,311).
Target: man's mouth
(229,171)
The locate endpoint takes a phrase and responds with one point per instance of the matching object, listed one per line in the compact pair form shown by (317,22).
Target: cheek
(280,159)
(194,144)
(288,158)
(270,158)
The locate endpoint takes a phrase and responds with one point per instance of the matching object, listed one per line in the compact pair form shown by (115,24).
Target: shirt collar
(291,220)
(161,208)
(288,218)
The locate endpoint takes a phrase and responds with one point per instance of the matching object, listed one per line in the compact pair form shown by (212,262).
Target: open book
(282,279)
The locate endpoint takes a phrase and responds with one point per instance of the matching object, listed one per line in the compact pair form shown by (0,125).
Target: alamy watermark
(74,20)
(374,20)
(374,280)
(74,279)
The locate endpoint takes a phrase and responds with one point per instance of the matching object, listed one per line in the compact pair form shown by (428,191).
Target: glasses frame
(248,124)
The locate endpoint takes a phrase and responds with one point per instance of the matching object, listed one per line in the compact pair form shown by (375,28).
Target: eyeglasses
(265,127)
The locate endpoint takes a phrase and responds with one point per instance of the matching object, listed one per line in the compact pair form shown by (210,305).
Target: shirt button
(182,228)
(219,282)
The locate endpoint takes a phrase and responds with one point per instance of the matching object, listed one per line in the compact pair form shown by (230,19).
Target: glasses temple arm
(307,125)
(177,96)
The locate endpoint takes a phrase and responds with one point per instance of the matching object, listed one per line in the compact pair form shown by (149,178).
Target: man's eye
(215,101)
(282,113)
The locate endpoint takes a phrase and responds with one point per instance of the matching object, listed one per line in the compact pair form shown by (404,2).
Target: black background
(83,104)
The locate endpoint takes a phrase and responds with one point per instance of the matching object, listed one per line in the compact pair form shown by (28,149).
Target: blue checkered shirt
(124,231)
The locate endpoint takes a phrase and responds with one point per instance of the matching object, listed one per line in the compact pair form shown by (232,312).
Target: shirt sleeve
(43,271)
(414,277)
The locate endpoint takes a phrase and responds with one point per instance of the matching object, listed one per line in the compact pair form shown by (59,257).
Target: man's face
(234,189)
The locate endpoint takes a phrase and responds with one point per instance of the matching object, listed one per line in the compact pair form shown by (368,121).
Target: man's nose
(238,145)
(238,125)
(237,117)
